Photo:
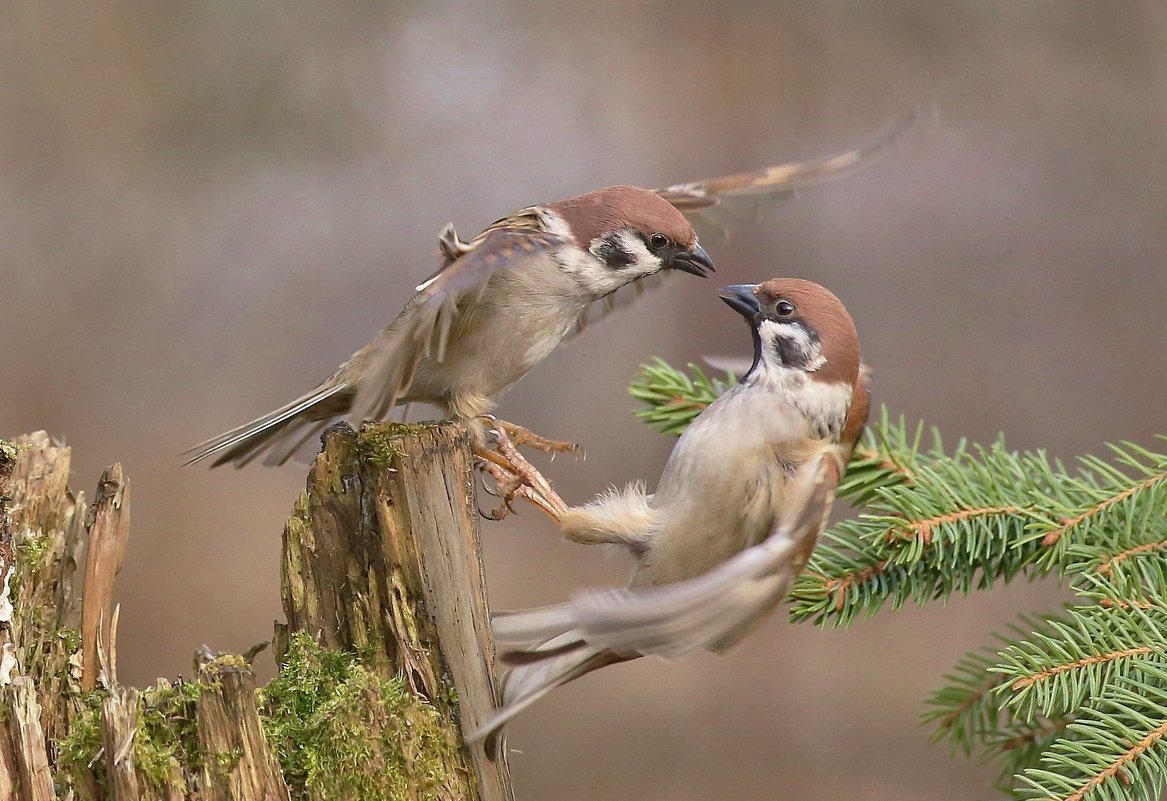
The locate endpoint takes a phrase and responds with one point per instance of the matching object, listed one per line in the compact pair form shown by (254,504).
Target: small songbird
(500,303)
(739,507)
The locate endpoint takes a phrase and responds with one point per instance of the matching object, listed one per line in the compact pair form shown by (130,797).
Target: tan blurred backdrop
(205,206)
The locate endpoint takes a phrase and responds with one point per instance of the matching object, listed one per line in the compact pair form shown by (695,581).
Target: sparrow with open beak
(501,302)
(739,507)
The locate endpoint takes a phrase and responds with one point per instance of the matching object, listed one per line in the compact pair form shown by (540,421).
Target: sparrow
(502,301)
(737,511)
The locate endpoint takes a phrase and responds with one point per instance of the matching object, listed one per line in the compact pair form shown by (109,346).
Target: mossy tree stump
(385,658)
(381,558)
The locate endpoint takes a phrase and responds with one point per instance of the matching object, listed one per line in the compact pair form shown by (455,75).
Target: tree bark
(382,558)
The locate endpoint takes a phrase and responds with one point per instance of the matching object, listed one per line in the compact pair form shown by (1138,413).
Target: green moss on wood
(31,549)
(8,450)
(376,442)
(165,740)
(78,752)
(342,732)
(165,737)
(225,662)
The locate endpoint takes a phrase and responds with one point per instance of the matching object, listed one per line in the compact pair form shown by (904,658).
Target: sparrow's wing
(747,191)
(716,205)
(551,646)
(385,368)
(376,377)
(715,610)
(858,412)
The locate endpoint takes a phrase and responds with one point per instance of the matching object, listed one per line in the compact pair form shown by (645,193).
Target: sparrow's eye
(784,308)
(658,241)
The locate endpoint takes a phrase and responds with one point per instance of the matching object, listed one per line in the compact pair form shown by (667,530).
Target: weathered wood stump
(381,557)
(385,658)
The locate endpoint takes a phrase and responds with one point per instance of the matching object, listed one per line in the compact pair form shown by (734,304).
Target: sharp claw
(493,514)
(515,477)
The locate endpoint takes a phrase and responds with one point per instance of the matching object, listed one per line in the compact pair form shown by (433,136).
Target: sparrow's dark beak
(741,299)
(695,261)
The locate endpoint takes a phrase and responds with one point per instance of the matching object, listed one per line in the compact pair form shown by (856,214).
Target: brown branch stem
(1114,768)
(1027,681)
(1052,537)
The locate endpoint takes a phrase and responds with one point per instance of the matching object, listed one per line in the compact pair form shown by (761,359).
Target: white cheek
(593,275)
(643,262)
(601,279)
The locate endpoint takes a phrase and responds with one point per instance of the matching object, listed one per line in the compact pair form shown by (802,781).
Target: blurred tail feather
(243,444)
(541,665)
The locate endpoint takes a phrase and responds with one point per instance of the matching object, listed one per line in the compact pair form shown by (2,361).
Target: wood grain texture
(45,531)
(381,558)
(238,765)
(23,713)
(109,534)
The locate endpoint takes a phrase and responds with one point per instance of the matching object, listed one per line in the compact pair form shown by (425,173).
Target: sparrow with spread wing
(501,302)
(739,507)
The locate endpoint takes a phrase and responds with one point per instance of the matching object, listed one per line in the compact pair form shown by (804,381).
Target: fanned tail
(281,432)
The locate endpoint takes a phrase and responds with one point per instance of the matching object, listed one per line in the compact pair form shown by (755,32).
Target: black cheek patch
(613,254)
(794,351)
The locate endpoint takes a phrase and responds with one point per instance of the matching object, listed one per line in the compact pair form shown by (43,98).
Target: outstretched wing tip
(697,196)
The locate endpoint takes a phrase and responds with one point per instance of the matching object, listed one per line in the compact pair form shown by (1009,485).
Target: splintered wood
(228,723)
(40,518)
(109,534)
(380,566)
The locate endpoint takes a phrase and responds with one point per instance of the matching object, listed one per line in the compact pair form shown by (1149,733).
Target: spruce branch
(967,710)
(1070,705)
(1068,659)
(936,523)
(673,399)
(1019,747)
(1130,554)
(1102,491)
(1112,752)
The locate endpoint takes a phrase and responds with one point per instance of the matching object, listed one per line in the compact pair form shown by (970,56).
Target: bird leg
(520,436)
(515,477)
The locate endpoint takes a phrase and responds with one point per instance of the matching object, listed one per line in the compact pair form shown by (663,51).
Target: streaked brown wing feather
(376,377)
(859,410)
(698,200)
(551,646)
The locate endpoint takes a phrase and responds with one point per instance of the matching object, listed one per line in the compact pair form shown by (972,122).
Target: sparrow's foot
(515,477)
(525,437)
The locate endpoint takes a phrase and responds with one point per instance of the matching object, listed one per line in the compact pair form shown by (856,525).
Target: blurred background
(205,207)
